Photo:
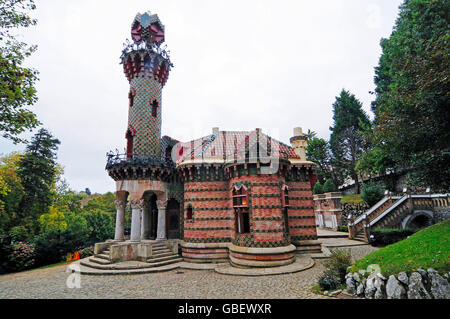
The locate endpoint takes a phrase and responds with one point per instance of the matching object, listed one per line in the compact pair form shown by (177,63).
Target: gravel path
(51,283)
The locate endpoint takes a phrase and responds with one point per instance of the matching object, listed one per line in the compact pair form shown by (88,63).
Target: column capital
(120,204)
(137,204)
(162,204)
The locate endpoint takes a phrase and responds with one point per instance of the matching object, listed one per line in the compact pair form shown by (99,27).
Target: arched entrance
(418,220)
(173,219)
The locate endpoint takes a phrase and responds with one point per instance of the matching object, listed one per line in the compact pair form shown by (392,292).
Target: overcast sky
(238,65)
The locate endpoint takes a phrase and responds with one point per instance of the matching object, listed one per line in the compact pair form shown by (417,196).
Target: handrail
(371,210)
(387,211)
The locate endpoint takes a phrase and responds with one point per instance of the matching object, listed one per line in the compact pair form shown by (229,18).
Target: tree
(37,171)
(101,226)
(329,186)
(318,151)
(318,188)
(346,139)
(412,121)
(16,82)
(11,191)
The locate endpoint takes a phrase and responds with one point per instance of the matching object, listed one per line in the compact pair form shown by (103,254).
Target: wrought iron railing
(116,159)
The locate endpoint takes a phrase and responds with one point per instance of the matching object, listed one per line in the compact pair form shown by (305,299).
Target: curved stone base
(204,252)
(262,257)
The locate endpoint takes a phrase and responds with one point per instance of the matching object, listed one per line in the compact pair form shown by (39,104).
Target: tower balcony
(139,166)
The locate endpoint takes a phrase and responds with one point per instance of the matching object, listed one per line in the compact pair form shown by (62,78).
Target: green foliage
(347,140)
(338,264)
(21,257)
(385,237)
(105,202)
(412,84)
(354,199)
(86,252)
(16,82)
(37,171)
(342,229)
(101,226)
(20,234)
(52,246)
(427,248)
(12,191)
(371,193)
(329,186)
(53,220)
(318,188)
(318,151)
(328,282)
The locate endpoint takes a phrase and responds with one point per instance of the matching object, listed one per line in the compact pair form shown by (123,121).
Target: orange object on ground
(76,256)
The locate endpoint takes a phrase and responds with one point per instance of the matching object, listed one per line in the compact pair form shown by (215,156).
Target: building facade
(238,196)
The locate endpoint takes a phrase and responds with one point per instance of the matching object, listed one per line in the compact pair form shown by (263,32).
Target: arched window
(189,211)
(285,195)
(285,200)
(240,205)
(154,105)
(129,137)
(131,96)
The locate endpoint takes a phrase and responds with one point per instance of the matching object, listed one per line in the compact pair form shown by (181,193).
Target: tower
(146,66)
(299,143)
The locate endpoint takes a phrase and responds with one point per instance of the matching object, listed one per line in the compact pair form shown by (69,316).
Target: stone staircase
(161,256)
(391,210)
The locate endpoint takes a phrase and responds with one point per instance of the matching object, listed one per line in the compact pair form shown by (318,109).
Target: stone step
(88,270)
(99,261)
(155,248)
(161,251)
(102,256)
(165,258)
(165,262)
(163,254)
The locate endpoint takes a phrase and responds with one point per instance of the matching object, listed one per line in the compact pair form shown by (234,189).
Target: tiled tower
(147,67)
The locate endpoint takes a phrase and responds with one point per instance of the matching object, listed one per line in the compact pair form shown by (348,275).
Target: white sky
(238,65)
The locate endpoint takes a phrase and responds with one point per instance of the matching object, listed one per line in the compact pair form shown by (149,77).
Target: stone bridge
(406,211)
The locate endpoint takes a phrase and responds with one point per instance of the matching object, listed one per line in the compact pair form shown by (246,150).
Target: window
(154,105)
(189,213)
(131,95)
(285,195)
(129,137)
(285,200)
(240,204)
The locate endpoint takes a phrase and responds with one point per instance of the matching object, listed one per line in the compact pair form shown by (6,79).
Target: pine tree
(346,138)
(37,171)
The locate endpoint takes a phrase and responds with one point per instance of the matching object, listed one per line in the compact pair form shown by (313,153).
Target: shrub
(383,237)
(318,188)
(329,186)
(343,229)
(371,193)
(338,263)
(21,257)
(53,246)
(101,226)
(5,251)
(328,282)
(19,233)
(86,252)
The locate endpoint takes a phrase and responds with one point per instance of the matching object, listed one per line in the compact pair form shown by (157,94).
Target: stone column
(120,219)
(136,219)
(161,231)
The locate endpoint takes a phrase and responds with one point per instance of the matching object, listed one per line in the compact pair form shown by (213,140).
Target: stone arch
(418,219)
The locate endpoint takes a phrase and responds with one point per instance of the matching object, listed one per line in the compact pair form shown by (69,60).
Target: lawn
(352,199)
(428,248)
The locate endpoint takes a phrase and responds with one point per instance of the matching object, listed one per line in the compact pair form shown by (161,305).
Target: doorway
(173,219)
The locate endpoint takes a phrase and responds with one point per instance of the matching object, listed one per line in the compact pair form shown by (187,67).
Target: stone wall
(420,284)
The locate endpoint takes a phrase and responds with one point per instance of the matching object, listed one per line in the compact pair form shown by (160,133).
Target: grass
(352,199)
(427,248)
(52,265)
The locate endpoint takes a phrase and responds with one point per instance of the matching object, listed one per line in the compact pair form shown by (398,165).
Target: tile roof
(212,147)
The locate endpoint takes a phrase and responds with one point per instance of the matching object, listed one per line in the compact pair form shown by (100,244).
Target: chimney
(215,130)
(299,143)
